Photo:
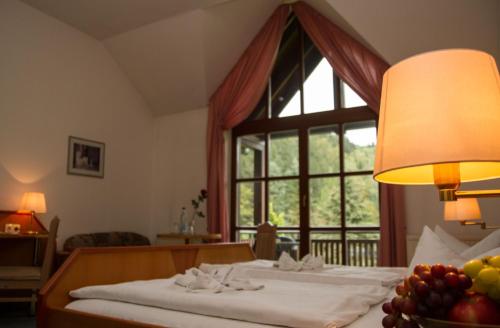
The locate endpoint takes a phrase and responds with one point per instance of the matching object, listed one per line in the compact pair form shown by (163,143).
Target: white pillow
(492,252)
(486,244)
(431,250)
(450,241)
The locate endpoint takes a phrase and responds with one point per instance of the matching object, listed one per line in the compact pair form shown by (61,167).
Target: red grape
(460,271)
(438,270)
(439,285)
(401,290)
(422,289)
(421,268)
(413,279)
(410,324)
(448,300)
(464,282)
(422,310)
(433,301)
(387,308)
(397,302)
(451,279)
(409,306)
(451,268)
(389,321)
(426,276)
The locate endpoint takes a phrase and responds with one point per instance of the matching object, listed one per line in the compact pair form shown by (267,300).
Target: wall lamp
(439,122)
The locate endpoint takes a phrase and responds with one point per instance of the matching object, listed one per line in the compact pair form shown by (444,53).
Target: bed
(87,267)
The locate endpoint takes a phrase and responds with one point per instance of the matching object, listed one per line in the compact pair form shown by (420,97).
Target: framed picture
(85,157)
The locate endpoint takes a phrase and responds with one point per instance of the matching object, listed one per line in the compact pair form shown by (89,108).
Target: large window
(304,161)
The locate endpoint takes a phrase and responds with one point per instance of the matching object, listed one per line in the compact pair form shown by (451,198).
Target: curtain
(363,71)
(232,103)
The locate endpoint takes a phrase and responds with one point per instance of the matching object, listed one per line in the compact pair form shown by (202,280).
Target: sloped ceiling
(176,52)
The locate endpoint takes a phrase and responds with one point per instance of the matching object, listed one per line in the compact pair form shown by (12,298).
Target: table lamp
(34,202)
(440,122)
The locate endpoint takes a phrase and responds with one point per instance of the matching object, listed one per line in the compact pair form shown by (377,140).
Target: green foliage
(361,192)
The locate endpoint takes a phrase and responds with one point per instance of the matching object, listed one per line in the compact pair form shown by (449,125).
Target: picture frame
(85,157)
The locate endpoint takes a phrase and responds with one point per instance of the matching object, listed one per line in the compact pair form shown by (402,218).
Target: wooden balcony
(359,252)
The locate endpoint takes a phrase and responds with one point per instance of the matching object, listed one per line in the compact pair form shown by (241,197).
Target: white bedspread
(283,303)
(330,274)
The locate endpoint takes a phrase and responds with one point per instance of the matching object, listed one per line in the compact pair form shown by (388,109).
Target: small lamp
(33,202)
(440,122)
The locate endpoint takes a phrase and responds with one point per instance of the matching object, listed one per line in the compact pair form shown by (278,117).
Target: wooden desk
(179,238)
(22,249)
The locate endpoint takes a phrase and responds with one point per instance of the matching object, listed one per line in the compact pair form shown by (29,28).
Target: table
(22,249)
(180,238)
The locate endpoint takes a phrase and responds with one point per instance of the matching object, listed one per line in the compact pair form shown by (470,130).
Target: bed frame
(96,266)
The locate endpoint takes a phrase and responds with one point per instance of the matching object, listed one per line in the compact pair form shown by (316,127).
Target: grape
(409,306)
(413,279)
(440,313)
(451,268)
(464,282)
(421,268)
(422,310)
(451,279)
(422,289)
(473,267)
(389,321)
(434,300)
(479,286)
(397,302)
(410,324)
(438,270)
(439,285)
(495,261)
(387,308)
(400,323)
(401,290)
(448,300)
(488,275)
(426,276)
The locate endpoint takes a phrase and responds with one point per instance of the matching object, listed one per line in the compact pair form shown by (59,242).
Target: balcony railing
(359,252)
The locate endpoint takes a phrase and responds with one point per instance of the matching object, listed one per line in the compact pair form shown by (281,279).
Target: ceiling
(176,52)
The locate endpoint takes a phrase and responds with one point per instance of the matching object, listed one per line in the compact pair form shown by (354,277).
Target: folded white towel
(309,262)
(214,279)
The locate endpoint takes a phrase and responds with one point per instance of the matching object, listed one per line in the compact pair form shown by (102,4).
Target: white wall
(55,82)
(179,168)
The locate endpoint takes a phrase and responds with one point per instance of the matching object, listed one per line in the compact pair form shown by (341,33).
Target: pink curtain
(232,103)
(362,70)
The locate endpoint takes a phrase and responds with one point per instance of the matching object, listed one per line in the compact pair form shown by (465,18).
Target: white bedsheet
(282,303)
(177,319)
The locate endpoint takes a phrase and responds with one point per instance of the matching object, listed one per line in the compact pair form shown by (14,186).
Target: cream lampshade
(33,202)
(440,120)
(464,209)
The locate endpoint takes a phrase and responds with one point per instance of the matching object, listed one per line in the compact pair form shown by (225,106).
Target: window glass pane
(349,97)
(328,244)
(249,202)
(324,202)
(251,156)
(286,100)
(318,89)
(284,154)
(288,241)
(284,202)
(246,235)
(359,146)
(362,248)
(324,150)
(361,201)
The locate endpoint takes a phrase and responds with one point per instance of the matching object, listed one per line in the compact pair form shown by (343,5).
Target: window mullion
(342,196)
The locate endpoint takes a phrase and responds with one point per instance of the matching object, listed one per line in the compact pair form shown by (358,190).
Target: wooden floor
(16,315)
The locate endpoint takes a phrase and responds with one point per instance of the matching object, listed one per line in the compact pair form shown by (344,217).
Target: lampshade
(464,209)
(33,202)
(439,107)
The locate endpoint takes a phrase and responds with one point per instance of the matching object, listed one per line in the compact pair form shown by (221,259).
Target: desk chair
(265,242)
(30,277)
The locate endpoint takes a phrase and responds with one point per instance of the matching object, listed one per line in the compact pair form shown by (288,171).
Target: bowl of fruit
(439,296)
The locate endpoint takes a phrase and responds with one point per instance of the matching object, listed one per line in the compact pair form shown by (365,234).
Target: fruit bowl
(434,323)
